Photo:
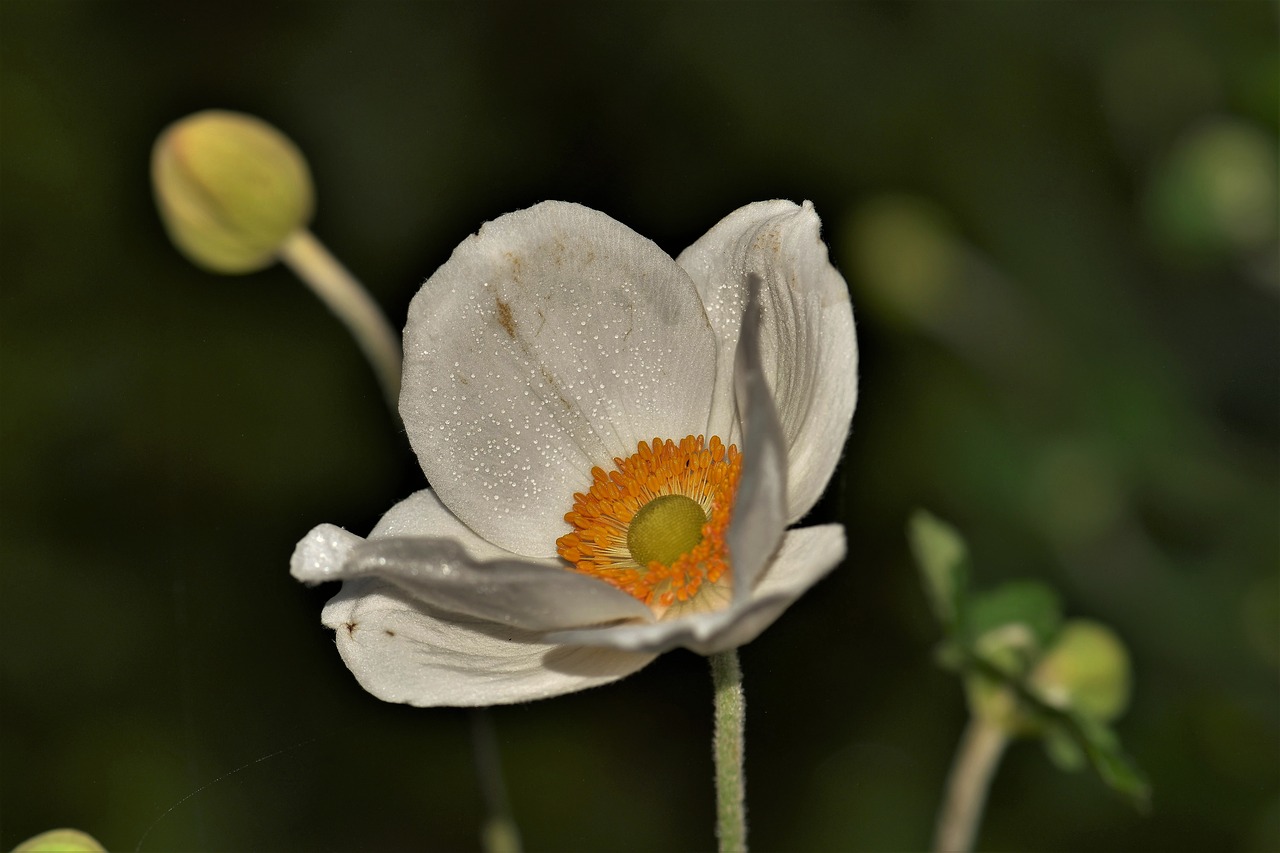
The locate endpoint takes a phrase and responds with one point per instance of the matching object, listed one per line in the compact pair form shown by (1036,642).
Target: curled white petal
(401,651)
(552,341)
(397,637)
(808,554)
(520,593)
(760,509)
(422,548)
(805,557)
(809,350)
(319,556)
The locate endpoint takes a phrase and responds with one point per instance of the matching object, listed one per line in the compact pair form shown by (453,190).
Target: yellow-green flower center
(665,529)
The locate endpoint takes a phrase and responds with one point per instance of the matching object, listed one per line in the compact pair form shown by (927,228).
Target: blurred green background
(1058,223)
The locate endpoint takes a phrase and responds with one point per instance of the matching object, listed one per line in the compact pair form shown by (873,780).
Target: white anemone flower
(562,376)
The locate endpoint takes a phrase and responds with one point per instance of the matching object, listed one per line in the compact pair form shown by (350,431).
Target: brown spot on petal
(389,632)
(517,266)
(505,320)
(351,628)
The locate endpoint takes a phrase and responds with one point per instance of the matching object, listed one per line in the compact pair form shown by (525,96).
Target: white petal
(422,549)
(321,553)
(809,350)
(423,514)
(805,557)
(759,512)
(552,341)
(520,593)
(403,652)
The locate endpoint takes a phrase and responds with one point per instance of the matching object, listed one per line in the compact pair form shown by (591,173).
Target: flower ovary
(665,529)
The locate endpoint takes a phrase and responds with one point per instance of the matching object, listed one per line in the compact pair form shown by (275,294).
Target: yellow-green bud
(1087,669)
(909,257)
(996,704)
(230,188)
(1217,189)
(60,841)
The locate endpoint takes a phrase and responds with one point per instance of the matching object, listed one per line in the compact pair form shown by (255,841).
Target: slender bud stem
(499,833)
(730,717)
(977,757)
(347,298)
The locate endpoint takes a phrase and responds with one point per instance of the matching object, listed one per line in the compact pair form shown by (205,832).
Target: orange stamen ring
(601,518)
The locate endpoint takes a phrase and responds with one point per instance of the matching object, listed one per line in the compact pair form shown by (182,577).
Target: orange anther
(706,472)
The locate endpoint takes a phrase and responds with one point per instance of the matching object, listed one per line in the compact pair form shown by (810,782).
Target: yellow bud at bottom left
(61,841)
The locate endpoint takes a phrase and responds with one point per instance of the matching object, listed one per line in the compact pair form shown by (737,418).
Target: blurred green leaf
(1029,603)
(1115,767)
(1011,648)
(1063,751)
(943,558)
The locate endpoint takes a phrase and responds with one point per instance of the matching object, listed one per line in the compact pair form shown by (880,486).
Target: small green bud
(60,841)
(1217,189)
(996,704)
(230,189)
(907,254)
(1087,670)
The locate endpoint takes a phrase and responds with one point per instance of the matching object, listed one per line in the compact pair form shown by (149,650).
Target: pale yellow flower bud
(230,188)
(60,841)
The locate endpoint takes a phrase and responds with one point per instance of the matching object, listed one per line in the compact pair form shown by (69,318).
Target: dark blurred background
(1058,224)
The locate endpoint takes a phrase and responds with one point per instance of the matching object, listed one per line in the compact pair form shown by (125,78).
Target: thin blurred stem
(499,833)
(730,717)
(977,758)
(347,298)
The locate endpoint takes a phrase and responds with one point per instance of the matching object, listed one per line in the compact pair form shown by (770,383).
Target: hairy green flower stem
(346,297)
(977,757)
(730,719)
